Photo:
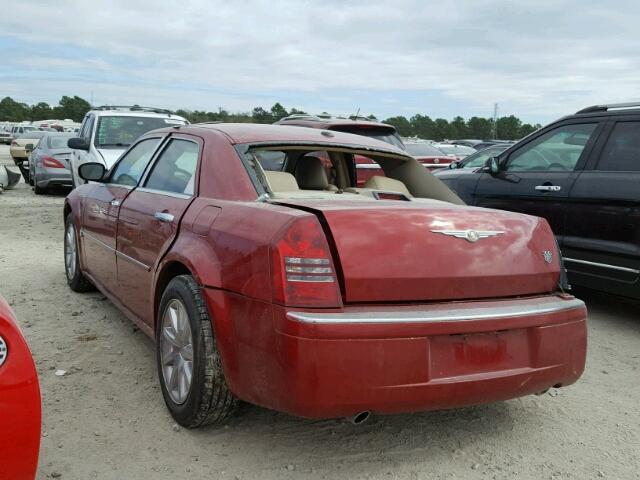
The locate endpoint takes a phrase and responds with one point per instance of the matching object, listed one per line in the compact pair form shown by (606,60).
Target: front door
(101,210)
(602,241)
(536,178)
(150,218)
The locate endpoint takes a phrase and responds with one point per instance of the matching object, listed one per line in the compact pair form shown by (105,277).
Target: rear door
(150,217)
(602,241)
(536,177)
(101,209)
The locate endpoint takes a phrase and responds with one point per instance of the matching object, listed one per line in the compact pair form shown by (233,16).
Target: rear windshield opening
(316,171)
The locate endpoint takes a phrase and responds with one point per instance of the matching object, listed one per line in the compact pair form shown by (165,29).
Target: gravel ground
(106,418)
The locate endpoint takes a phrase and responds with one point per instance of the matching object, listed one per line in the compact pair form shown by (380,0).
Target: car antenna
(355,117)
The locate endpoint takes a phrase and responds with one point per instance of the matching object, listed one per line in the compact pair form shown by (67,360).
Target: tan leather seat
(281,181)
(311,174)
(387,184)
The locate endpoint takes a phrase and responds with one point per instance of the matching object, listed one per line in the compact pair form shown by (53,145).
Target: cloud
(538,59)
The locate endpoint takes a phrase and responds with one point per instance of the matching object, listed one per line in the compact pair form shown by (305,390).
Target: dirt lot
(106,419)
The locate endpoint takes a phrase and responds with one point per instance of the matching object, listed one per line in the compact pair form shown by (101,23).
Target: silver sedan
(49,163)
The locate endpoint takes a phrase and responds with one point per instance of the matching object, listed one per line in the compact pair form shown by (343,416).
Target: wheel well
(170,270)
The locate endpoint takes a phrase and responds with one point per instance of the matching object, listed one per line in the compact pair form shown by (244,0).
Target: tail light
(302,269)
(14,143)
(51,162)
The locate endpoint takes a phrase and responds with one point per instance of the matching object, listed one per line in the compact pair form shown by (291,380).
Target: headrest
(281,181)
(310,173)
(387,184)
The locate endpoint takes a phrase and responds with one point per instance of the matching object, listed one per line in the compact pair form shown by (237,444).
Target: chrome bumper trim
(512,308)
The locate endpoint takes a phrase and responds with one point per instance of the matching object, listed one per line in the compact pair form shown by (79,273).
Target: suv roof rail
(610,106)
(324,116)
(133,108)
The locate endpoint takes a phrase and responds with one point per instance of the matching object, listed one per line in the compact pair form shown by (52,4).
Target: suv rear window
(387,135)
(122,131)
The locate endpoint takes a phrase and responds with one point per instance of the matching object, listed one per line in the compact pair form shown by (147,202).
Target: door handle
(115,203)
(163,217)
(548,188)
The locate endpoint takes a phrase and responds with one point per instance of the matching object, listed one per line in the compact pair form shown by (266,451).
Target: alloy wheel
(176,351)
(70,251)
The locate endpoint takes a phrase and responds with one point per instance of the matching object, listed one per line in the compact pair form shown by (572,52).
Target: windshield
(423,149)
(459,150)
(59,141)
(122,131)
(478,159)
(384,134)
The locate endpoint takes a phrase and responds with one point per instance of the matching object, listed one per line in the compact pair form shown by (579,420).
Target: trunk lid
(394,251)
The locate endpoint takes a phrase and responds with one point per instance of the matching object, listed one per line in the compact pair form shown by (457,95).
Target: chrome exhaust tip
(359,418)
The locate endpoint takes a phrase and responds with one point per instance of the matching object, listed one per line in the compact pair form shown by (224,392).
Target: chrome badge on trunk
(470,235)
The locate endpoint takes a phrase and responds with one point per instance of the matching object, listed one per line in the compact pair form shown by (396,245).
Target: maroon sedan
(265,275)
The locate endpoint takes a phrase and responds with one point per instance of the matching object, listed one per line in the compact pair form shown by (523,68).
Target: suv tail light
(51,162)
(302,269)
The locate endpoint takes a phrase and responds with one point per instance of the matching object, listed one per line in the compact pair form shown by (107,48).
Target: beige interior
(404,175)
(281,181)
(386,184)
(311,174)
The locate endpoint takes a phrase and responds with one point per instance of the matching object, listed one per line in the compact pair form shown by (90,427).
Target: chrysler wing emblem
(470,235)
(548,256)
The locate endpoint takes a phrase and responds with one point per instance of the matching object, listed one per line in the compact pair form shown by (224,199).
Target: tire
(75,278)
(207,399)
(36,189)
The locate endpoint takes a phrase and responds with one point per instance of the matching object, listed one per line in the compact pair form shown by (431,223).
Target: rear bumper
(49,177)
(407,359)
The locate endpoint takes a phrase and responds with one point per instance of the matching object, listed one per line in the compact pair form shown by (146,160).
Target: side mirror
(78,143)
(492,166)
(91,171)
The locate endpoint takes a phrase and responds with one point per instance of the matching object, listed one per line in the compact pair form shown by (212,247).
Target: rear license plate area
(456,355)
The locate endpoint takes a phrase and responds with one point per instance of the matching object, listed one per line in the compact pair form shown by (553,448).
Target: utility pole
(494,126)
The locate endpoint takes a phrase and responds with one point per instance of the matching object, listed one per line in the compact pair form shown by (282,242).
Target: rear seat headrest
(387,184)
(281,181)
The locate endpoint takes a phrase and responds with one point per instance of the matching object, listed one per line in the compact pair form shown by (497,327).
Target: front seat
(311,174)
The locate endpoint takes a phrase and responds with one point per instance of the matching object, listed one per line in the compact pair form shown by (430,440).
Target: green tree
(41,111)
(458,128)
(12,111)
(74,108)
(278,112)
(527,128)
(508,128)
(403,126)
(260,115)
(423,126)
(478,127)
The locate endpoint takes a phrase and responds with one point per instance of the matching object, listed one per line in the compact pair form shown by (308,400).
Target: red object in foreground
(19,402)
(324,300)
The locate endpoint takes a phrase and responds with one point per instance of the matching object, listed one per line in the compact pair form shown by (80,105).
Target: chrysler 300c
(265,275)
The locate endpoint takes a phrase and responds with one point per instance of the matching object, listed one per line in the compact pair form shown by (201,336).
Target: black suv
(581,173)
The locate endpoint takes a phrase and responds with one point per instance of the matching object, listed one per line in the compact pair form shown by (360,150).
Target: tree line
(74,108)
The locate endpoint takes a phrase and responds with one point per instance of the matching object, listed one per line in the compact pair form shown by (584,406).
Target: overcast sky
(539,59)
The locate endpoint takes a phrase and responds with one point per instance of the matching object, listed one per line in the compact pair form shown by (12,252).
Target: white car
(106,133)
